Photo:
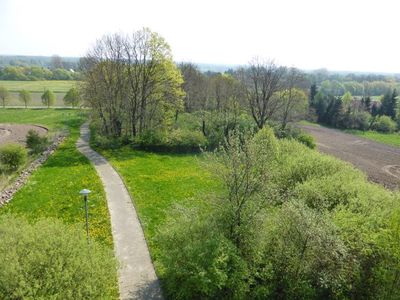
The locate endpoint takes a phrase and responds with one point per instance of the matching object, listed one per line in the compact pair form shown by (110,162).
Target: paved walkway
(137,278)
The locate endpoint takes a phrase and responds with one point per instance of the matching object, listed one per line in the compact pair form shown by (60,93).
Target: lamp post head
(85,192)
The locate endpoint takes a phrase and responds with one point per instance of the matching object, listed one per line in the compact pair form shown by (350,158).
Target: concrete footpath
(137,278)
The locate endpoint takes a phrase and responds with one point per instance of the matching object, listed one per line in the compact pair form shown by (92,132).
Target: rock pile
(7,194)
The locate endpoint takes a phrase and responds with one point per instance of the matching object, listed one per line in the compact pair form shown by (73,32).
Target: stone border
(8,193)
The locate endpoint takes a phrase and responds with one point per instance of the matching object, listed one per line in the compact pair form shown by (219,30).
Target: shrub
(307,257)
(185,140)
(48,260)
(291,132)
(36,142)
(198,262)
(307,140)
(177,140)
(384,124)
(12,156)
(357,120)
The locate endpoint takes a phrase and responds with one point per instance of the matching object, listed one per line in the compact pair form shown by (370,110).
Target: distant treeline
(37,73)
(39,68)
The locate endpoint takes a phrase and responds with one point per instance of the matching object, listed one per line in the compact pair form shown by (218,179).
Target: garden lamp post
(85,194)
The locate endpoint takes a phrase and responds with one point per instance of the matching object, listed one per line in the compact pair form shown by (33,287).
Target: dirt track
(380,162)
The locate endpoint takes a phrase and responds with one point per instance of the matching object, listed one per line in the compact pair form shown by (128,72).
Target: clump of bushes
(291,132)
(12,156)
(291,224)
(384,124)
(176,140)
(35,142)
(49,260)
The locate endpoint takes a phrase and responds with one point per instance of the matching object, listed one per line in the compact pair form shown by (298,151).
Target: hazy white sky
(336,34)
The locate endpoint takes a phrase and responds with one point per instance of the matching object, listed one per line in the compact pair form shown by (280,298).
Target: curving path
(137,278)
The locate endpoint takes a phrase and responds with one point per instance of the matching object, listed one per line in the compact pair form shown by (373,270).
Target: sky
(347,35)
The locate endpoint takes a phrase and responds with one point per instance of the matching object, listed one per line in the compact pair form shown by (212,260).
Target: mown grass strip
(392,139)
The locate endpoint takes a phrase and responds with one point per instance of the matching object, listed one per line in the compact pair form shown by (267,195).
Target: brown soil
(380,162)
(16,133)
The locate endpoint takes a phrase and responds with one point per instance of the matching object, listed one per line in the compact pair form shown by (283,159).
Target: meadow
(56,86)
(36,88)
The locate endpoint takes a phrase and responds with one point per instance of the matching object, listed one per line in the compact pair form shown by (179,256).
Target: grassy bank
(392,139)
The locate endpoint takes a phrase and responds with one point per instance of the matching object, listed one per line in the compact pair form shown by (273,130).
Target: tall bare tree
(293,98)
(262,79)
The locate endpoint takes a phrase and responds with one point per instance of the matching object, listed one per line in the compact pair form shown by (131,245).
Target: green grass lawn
(53,190)
(392,139)
(56,86)
(53,119)
(157,182)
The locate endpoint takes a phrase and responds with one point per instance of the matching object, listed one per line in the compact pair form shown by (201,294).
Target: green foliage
(4,95)
(34,73)
(48,98)
(307,257)
(25,97)
(72,97)
(49,260)
(307,140)
(206,265)
(384,124)
(292,132)
(176,140)
(12,156)
(359,120)
(284,221)
(36,142)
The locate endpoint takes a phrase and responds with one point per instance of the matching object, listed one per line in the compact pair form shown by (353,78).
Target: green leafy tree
(72,97)
(48,98)
(4,95)
(389,104)
(347,99)
(313,93)
(25,97)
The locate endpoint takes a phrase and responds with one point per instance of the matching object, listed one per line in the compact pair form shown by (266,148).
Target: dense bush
(49,260)
(292,132)
(307,140)
(176,140)
(35,142)
(12,156)
(206,264)
(356,120)
(296,224)
(384,124)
